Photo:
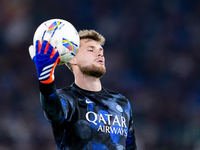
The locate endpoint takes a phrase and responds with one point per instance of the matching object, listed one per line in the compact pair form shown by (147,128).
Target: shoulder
(65,94)
(69,92)
(116,96)
(114,93)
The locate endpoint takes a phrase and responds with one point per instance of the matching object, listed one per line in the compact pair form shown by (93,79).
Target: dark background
(152,55)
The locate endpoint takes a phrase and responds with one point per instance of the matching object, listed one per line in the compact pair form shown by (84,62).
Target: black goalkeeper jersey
(85,120)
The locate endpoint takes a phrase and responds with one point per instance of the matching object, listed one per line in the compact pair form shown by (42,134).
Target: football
(64,34)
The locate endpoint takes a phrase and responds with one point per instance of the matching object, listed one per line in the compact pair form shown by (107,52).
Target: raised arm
(46,58)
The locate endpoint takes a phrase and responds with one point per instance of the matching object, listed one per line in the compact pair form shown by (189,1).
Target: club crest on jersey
(119,108)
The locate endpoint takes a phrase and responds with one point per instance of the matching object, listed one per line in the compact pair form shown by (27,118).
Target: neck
(88,82)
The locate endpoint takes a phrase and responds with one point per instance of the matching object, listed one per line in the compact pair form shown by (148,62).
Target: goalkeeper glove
(45,57)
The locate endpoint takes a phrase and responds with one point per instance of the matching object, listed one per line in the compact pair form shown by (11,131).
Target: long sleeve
(130,141)
(51,103)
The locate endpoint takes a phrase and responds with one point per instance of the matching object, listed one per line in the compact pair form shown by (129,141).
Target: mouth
(100,61)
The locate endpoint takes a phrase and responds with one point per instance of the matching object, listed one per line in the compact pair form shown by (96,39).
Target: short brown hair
(92,34)
(89,34)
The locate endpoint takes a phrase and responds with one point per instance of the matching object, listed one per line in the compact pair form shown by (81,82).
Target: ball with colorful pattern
(65,35)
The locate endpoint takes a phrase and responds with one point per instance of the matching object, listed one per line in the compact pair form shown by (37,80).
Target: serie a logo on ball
(64,33)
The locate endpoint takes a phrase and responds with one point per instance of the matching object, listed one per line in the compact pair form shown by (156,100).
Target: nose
(100,54)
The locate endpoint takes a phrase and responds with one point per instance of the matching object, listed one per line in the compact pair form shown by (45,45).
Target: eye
(91,50)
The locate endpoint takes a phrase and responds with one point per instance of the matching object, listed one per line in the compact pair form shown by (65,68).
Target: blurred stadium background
(152,57)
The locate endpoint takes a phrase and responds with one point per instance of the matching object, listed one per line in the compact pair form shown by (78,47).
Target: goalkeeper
(85,115)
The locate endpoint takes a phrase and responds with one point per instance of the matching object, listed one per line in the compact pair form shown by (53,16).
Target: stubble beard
(93,70)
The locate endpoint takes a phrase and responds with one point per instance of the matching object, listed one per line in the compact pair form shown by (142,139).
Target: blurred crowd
(152,55)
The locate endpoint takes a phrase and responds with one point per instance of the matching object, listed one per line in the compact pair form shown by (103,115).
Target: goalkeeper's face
(90,58)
